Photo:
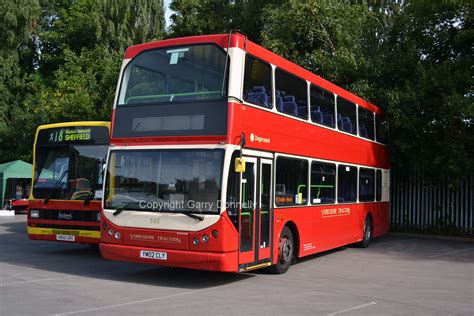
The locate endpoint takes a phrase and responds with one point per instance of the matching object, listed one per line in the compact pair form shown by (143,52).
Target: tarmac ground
(396,275)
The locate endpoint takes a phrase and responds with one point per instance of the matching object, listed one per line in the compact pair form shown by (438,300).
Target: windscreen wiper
(55,188)
(194,216)
(89,197)
(122,208)
(119,210)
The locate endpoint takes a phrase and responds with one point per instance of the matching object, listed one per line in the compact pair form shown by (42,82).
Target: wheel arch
(371,217)
(296,236)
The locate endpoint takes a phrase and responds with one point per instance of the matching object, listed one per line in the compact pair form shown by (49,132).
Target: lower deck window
(346,184)
(323,183)
(291,185)
(366,185)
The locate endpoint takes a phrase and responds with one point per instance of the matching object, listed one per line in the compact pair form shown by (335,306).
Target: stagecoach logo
(258,139)
(165,239)
(67,216)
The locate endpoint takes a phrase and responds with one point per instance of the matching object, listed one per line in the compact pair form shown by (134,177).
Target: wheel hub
(285,250)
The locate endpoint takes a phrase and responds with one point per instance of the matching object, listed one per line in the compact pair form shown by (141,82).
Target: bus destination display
(73,135)
(69,135)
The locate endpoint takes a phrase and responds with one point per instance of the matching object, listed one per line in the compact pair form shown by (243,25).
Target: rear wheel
(365,242)
(286,252)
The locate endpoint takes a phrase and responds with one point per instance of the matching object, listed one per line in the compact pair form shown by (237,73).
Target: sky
(167,12)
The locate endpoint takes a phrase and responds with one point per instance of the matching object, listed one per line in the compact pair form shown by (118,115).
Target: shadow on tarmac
(85,261)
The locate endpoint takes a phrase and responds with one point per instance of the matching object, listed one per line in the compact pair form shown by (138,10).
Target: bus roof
(241,41)
(78,123)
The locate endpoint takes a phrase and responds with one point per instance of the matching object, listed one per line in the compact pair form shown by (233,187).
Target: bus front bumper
(225,261)
(64,235)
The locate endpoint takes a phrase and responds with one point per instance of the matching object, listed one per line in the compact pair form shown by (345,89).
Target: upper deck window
(173,91)
(366,123)
(258,82)
(174,74)
(346,116)
(322,106)
(291,94)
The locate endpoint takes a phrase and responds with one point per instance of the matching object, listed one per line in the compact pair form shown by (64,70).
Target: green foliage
(61,59)
(412,58)
(16,54)
(426,85)
(331,42)
(195,17)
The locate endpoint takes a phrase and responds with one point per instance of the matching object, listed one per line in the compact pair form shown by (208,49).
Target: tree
(16,61)
(69,56)
(412,58)
(194,17)
(426,82)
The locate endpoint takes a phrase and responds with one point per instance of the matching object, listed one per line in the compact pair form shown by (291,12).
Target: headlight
(111,231)
(34,213)
(205,239)
(195,241)
(99,216)
(117,235)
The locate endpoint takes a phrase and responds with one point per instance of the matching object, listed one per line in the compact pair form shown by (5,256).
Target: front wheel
(285,252)
(365,242)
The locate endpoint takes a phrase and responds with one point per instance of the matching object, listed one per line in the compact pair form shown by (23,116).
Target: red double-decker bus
(225,156)
(68,171)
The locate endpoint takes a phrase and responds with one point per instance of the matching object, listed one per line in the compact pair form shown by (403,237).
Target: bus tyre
(367,238)
(286,247)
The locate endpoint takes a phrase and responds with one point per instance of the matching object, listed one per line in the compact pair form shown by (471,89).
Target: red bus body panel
(218,254)
(50,225)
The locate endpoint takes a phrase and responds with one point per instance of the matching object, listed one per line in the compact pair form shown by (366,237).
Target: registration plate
(153,255)
(65,237)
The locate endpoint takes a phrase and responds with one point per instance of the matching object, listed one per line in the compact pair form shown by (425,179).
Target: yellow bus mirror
(239,165)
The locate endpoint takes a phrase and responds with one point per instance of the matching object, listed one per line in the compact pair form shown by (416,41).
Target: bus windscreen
(165,180)
(173,91)
(69,162)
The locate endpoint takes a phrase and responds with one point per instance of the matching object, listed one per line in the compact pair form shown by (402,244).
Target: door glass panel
(265,192)
(247,212)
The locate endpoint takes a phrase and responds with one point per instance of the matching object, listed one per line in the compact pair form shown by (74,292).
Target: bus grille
(57,228)
(69,215)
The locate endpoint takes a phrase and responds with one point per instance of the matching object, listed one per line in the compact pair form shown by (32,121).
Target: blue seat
(289,98)
(327,200)
(259,89)
(289,105)
(258,95)
(302,109)
(328,119)
(258,98)
(317,116)
(279,103)
(347,124)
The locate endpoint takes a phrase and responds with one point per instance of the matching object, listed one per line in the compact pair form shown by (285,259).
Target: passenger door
(255,214)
